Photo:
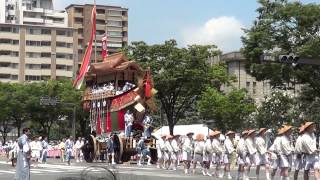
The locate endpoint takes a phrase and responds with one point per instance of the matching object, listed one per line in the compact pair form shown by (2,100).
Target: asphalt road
(55,170)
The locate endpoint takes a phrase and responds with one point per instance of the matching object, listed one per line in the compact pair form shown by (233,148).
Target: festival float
(113,87)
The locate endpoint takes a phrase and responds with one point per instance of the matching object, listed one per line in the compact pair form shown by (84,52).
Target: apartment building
(110,19)
(33,12)
(35,53)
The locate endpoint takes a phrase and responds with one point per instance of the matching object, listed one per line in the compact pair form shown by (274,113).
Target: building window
(254,86)
(33,66)
(101,22)
(5,76)
(78,20)
(63,44)
(114,23)
(14,77)
(64,56)
(45,78)
(100,11)
(60,67)
(248,85)
(78,10)
(9,53)
(115,33)
(32,78)
(45,66)
(5,64)
(114,13)
(45,43)
(45,31)
(9,29)
(46,55)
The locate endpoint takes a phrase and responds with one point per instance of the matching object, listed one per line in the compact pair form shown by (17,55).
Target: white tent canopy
(183,130)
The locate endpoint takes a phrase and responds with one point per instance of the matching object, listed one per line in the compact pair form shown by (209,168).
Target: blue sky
(188,21)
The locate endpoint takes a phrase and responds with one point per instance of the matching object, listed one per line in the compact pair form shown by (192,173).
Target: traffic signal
(290,59)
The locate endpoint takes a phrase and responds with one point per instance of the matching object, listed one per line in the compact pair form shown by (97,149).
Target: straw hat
(229,133)
(200,137)
(306,125)
(301,129)
(245,132)
(285,129)
(214,133)
(176,136)
(190,133)
(251,131)
(261,130)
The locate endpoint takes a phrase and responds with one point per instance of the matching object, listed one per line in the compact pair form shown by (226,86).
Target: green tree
(284,27)
(277,109)
(6,124)
(228,111)
(180,74)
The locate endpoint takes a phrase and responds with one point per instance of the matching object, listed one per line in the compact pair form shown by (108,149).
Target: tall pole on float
(95,39)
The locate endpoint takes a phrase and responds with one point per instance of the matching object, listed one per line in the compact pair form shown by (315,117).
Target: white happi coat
(208,150)
(168,150)
(23,159)
(160,147)
(298,162)
(285,152)
(309,147)
(36,147)
(175,148)
(261,157)
(187,148)
(242,151)
(218,150)
(198,151)
(228,150)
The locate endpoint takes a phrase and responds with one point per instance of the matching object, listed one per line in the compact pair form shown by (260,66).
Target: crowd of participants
(65,149)
(281,154)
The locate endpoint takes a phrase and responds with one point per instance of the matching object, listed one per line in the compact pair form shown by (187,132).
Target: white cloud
(225,32)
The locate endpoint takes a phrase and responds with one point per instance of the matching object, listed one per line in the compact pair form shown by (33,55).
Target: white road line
(7,172)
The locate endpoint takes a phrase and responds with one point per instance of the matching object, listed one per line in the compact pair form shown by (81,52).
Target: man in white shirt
(309,148)
(23,157)
(77,147)
(242,154)
(286,151)
(198,153)
(207,154)
(160,147)
(187,149)
(262,158)
(35,150)
(218,150)
(274,151)
(252,150)
(128,119)
(299,159)
(229,149)
(69,147)
(174,153)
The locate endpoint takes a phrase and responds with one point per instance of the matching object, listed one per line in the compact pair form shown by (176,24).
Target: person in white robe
(309,148)
(218,150)
(77,147)
(299,156)
(286,151)
(174,153)
(228,151)
(207,154)
(23,157)
(35,150)
(252,150)
(198,153)
(69,148)
(262,156)
(168,151)
(242,154)
(187,149)
(274,152)
(160,145)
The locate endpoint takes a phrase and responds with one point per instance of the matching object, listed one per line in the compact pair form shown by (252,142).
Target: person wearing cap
(285,152)
(168,151)
(218,150)
(242,154)
(207,154)
(309,148)
(229,149)
(198,153)
(160,145)
(187,149)
(252,149)
(274,152)
(174,153)
(262,158)
(299,157)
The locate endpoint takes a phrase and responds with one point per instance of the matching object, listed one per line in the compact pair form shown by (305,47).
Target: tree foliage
(180,74)
(284,27)
(228,111)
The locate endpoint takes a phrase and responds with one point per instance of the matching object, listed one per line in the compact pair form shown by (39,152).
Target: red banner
(86,58)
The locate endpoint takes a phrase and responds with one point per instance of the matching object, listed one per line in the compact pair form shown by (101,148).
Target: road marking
(8,172)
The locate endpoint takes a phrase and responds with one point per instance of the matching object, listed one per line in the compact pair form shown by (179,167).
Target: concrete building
(33,12)
(34,53)
(236,63)
(110,19)
(236,66)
